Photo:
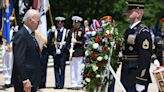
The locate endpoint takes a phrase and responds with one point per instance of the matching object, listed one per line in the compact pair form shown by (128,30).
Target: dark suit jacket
(26,58)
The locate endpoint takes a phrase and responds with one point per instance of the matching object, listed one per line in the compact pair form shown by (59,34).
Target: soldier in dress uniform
(7,56)
(76,40)
(137,52)
(159,43)
(59,39)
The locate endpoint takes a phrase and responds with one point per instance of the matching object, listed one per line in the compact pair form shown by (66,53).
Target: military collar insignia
(135,28)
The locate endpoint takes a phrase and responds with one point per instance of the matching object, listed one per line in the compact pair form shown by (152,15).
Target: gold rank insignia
(145,44)
(153,46)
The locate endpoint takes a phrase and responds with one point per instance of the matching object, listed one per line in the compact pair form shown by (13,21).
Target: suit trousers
(76,71)
(44,63)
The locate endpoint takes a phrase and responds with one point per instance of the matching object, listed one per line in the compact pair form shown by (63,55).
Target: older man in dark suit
(27,68)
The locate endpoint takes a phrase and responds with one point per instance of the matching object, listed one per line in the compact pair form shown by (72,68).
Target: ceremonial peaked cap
(135,5)
(59,18)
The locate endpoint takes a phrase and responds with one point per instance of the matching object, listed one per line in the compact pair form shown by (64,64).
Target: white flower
(112,43)
(95,45)
(98,76)
(106,57)
(94,68)
(107,32)
(86,53)
(93,33)
(87,79)
(116,30)
(99,58)
(112,30)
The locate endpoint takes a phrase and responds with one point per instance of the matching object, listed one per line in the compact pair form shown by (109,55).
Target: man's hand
(27,86)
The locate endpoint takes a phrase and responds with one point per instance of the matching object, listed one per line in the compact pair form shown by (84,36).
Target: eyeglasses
(60,21)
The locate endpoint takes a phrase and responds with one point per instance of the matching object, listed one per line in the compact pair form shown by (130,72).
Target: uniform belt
(130,57)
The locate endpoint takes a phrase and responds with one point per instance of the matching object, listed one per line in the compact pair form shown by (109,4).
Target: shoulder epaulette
(143,28)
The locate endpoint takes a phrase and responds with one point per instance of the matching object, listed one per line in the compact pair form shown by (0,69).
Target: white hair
(31,13)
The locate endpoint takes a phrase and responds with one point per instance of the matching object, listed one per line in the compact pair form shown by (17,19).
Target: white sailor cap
(77,19)
(59,18)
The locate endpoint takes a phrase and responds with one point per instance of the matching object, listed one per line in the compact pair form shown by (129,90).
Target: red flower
(107,36)
(105,48)
(90,75)
(117,46)
(97,39)
(99,84)
(100,64)
(94,56)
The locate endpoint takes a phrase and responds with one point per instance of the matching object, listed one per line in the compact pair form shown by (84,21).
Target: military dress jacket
(136,56)
(79,36)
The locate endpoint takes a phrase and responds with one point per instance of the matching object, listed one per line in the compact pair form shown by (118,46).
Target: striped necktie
(33,36)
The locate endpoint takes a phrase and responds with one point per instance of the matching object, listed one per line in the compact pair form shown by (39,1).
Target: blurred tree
(95,9)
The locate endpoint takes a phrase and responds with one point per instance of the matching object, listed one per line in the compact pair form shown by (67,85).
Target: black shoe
(60,87)
(56,87)
(7,86)
(40,87)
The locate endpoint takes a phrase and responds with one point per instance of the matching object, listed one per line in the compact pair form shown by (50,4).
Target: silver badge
(135,28)
(131,48)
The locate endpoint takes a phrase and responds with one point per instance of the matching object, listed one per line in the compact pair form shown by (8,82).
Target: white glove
(156,63)
(140,87)
(53,28)
(58,51)
(16,29)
